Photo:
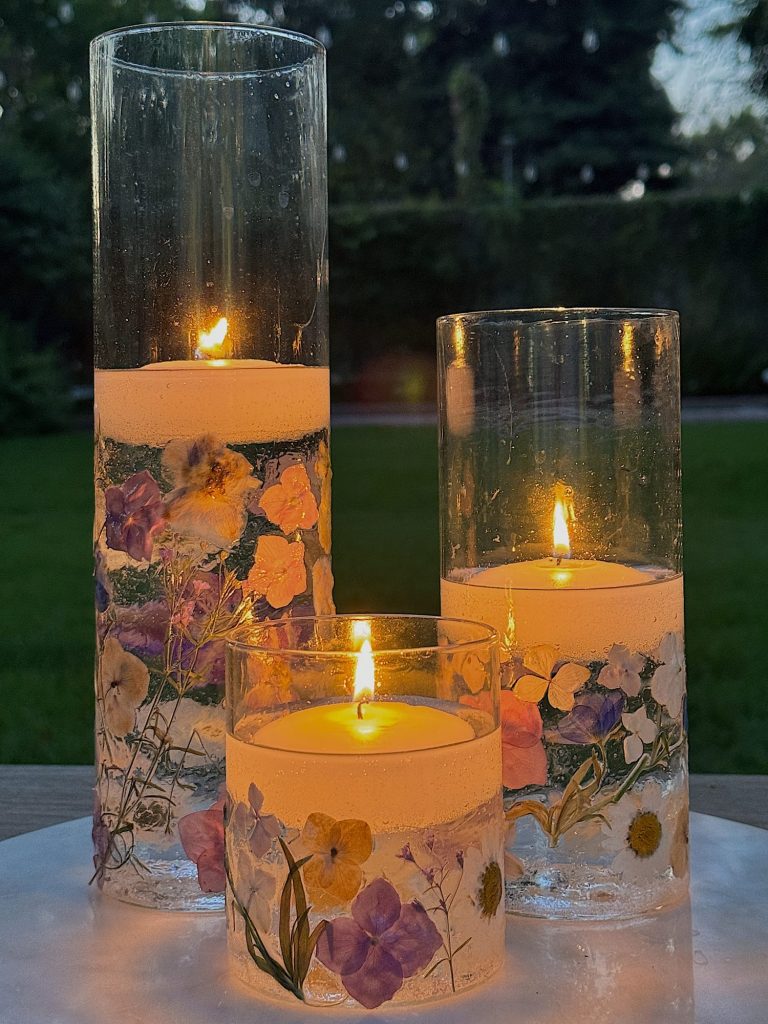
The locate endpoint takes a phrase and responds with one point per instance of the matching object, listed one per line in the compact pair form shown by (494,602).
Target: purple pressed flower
(100,836)
(592,718)
(202,837)
(134,515)
(102,583)
(142,628)
(249,823)
(381,944)
(201,608)
(406,853)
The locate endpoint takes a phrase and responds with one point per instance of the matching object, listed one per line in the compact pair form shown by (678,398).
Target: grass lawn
(385,559)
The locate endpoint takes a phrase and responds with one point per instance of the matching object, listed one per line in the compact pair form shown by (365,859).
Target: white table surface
(71,956)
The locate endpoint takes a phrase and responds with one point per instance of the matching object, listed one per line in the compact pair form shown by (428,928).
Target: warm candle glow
(209,341)
(561,546)
(364,677)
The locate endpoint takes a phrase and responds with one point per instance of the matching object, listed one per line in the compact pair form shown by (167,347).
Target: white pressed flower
(638,829)
(668,682)
(123,682)
(641,731)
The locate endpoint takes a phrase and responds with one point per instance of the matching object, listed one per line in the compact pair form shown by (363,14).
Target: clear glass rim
(313,46)
(489,636)
(560,314)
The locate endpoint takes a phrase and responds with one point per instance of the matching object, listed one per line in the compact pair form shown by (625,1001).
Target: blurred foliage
(572,81)
(547,98)
(34,384)
(469,109)
(703,255)
(751,25)
(729,158)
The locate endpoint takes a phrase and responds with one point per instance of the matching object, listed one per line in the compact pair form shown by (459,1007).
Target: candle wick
(360,707)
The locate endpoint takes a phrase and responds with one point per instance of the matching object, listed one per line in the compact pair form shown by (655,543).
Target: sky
(708,80)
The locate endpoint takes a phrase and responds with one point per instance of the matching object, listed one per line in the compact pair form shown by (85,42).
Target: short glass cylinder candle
(561,527)
(212,412)
(364,834)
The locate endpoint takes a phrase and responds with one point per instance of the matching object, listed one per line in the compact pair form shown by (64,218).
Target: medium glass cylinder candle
(561,527)
(211,411)
(364,827)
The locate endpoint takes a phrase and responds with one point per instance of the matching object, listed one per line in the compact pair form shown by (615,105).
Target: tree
(751,26)
(469,108)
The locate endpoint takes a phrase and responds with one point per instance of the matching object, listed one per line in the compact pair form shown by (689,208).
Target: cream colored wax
(380,727)
(239,400)
(581,607)
(391,790)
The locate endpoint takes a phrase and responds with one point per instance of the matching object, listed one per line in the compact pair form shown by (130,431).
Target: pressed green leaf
(285,924)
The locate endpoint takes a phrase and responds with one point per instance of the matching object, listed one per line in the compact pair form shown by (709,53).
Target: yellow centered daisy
(490,889)
(644,834)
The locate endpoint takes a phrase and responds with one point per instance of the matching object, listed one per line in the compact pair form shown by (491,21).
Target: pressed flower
(482,865)
(134,514)
(668,682)
(278,572)
(524,759)
(592,718)
(338,848)
(290,503)
(641,731)
(323,470)
(211,488)
(202,837)
(678,855)
(637,831)
(322,587)
(102,583)
(255,889)
(380,945)
(123,682)
(541,675)
(251,826)
(471,670)
(622,671)
(142,628)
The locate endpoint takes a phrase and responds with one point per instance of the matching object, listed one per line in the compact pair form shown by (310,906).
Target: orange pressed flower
(278,572)
(338,848)
(290,504)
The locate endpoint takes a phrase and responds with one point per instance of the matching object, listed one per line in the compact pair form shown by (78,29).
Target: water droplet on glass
(700,957)
(401,162)
(540,457)
(587,174)
(283,198)
(530,173)
(643,479)
(228,212)
(254,178)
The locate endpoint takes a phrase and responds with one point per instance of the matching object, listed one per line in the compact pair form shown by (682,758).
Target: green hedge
(394,269)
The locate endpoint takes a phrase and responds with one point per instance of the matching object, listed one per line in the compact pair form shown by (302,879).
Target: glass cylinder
(561,527)
(212,466)
(364,832)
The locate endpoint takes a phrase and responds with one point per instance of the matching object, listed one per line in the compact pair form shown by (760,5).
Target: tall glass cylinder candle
(364,827)
(212,467)
(561,527)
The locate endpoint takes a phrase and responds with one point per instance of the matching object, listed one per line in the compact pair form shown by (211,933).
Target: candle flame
(561,546)
(364,673)
(209,341)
